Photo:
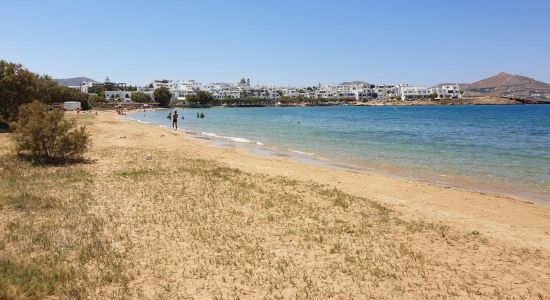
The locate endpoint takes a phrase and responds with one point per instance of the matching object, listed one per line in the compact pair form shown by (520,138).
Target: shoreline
(468,101)
(495,213)
(437,178)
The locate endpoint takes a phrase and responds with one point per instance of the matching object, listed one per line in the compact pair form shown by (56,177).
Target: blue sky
(279,42)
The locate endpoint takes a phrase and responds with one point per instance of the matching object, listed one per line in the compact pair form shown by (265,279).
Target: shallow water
(502,144)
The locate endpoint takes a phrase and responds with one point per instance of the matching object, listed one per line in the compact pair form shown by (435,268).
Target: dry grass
(203,229)
(181,227)
(51,243)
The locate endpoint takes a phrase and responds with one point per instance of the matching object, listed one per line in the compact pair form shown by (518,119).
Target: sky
(281,42)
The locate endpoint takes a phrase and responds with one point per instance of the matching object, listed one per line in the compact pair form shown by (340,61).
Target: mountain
(506,82)
(76,81)
(508,86)
(356,82)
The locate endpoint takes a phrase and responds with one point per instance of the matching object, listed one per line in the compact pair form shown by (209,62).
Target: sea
(496,148)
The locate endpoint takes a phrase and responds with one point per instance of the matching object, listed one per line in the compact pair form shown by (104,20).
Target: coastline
(477,100)
(467,205)
(442,178)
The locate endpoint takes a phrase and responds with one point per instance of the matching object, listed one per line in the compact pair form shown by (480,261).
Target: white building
(407,92)
(383,92)
(186,88)
(189,85)
(163,83)
(348,95)
(449,91)
(118,95)
(326,94)
(233,93)
(290,93)
(85,86)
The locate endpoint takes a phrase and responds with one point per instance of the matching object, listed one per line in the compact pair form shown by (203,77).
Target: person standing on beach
(175,120)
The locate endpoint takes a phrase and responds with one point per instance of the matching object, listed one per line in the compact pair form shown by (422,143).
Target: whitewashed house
(163,83)
(126,96)
(232,93)
(407,92)
(86,85)
(449,91)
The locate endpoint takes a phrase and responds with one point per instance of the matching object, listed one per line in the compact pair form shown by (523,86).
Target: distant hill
(508,86)
(76,81)
(506,82)
(355,82)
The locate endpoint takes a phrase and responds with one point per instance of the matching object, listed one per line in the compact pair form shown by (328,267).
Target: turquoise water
(503,144)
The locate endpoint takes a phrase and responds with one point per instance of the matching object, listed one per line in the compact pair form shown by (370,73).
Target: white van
(72,105)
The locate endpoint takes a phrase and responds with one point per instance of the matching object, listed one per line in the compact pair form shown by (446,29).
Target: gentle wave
(234,139)
(239,140)
(302,152)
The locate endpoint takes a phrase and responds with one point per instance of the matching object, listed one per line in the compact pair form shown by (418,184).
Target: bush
(139,97)
(42,134)
(95,100)
(202,98)
(162,96)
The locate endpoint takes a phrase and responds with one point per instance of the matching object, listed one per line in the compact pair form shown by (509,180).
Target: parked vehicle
(72,105)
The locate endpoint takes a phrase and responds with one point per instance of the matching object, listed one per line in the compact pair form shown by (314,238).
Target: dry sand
(198,221)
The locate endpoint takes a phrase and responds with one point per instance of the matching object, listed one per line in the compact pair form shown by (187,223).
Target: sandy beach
(185,219)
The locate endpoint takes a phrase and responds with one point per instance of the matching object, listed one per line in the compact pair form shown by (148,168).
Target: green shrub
(162,96)
(42,134)
(140,97)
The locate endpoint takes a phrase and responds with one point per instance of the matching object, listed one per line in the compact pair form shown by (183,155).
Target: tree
(95,100)
(202,98)
(98,89)
(20,86)
(140,97)
(17,86)
(162,96)
(433,96)
(42,134)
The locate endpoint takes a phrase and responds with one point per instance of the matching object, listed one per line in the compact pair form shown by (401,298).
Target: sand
(194,220)
(511,219)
